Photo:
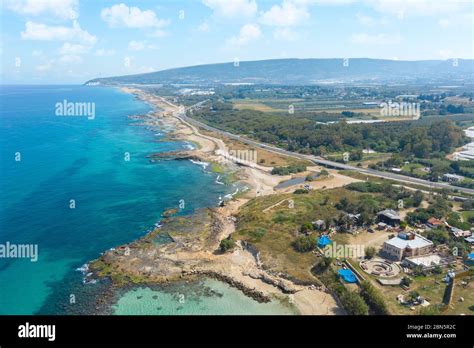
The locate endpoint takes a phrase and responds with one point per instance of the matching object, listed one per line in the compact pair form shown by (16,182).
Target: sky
(72,41)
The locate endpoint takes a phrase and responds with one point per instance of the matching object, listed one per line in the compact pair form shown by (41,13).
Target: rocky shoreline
(194,248)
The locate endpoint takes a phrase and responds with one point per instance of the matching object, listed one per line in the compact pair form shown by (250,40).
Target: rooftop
(427,260)
(417,242)
(392,214)
(435,221)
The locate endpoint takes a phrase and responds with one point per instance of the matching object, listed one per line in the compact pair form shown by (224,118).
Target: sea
(73,185)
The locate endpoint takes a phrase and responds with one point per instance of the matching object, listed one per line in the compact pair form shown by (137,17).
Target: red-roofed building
(434,222)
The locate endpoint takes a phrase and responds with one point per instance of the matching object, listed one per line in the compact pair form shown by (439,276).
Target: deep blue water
(74,158)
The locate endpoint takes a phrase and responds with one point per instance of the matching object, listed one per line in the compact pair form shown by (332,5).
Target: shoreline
(141,262)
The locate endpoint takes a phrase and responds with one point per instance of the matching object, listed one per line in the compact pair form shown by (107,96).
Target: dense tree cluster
(301,132)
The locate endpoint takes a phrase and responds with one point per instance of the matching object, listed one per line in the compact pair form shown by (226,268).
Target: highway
(321,161)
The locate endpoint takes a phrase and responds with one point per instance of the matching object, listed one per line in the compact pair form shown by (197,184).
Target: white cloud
(204,27)
(444,23)
(70,58)
(44,67)
(379,39)
(364,19)
(289,13)
(64,9)
(68,48)
(247,34)
(43,32)
(132,17)
(285,34)
(37,53)
(72,53)
(140,45)
(102,52)
(136,45)
(403,8)
(232,8)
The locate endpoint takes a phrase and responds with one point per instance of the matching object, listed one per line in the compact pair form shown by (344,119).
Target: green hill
(306,71)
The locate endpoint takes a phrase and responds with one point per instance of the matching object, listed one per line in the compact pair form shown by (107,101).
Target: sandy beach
(240,268)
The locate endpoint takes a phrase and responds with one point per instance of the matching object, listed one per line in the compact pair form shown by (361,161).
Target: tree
(413,296)
(356,155)
(373,298)
(227,244)
(438,235)
(406,281)
(324,172)
(418,197)
(370,252)
(353,303)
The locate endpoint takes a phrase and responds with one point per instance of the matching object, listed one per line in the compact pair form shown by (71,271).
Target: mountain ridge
(303,71)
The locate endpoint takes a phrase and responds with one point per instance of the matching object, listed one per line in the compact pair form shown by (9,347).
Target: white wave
(83,269)
(189,146)
(230,195)
(219,182)
(199,163)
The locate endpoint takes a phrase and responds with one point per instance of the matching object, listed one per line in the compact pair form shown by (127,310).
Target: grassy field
(467,214)
(466,291)
(415,168)
(250,104)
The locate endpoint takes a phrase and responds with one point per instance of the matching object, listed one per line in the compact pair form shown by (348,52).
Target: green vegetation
(439,207)
(406,281)
(373,298)
(438,235)
(302,133)
(409,198)
(296,168)
(226,244)
(353,303)
(370,252)
(304,244)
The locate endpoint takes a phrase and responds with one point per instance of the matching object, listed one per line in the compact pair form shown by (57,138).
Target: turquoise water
(64,158)
(206,297)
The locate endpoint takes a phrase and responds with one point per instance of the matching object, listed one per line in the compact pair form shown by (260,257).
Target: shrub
(406,281)
(304,244)
(227,244)
(370,252)
(306,227)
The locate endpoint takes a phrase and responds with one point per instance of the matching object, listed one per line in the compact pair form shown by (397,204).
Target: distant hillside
(306,71)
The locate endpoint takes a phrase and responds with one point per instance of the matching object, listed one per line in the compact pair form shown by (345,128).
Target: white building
(406,244)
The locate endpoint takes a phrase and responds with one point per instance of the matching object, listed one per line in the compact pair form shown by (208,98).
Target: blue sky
(71,41)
